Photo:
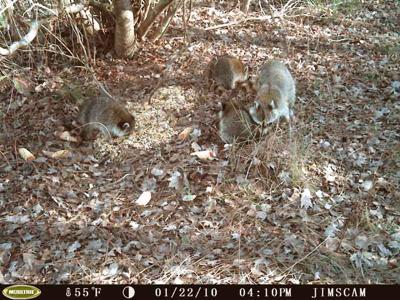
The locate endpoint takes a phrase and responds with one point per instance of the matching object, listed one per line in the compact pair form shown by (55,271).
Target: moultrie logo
(21,291)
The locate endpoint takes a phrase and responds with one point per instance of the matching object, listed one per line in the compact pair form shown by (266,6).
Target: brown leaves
(171,204)
(184,135)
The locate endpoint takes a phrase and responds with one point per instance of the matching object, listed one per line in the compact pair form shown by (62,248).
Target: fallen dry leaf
(144,198)
(188,198)
(306,199)
(57,154)
(26,154)
(66,136)
(205,155)
(184,135)
(23,86)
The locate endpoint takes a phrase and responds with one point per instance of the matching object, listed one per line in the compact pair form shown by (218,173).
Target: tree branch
(165,23)
(25,41)
(154,13)
(35,25)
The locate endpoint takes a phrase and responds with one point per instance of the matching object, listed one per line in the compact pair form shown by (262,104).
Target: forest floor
(321,208)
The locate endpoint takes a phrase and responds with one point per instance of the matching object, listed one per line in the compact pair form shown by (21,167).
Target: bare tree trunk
(124,39)
(245,6)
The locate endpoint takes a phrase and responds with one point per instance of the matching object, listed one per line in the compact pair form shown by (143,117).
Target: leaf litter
(323,208)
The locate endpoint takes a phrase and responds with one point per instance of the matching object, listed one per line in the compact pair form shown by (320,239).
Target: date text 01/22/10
(182,292)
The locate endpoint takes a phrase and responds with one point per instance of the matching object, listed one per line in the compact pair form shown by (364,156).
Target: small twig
(167,20)
(190,11)
(303,258)
(101,85)
(239,242)
(151,18)
(146,10)
(119,180)
(9,5)
(53,12)
(184,20)
(237,22)
(5,158)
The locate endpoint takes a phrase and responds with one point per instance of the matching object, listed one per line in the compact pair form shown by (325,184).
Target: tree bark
(124,39)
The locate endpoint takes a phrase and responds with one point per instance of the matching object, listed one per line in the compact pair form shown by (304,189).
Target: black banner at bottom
(211,292)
